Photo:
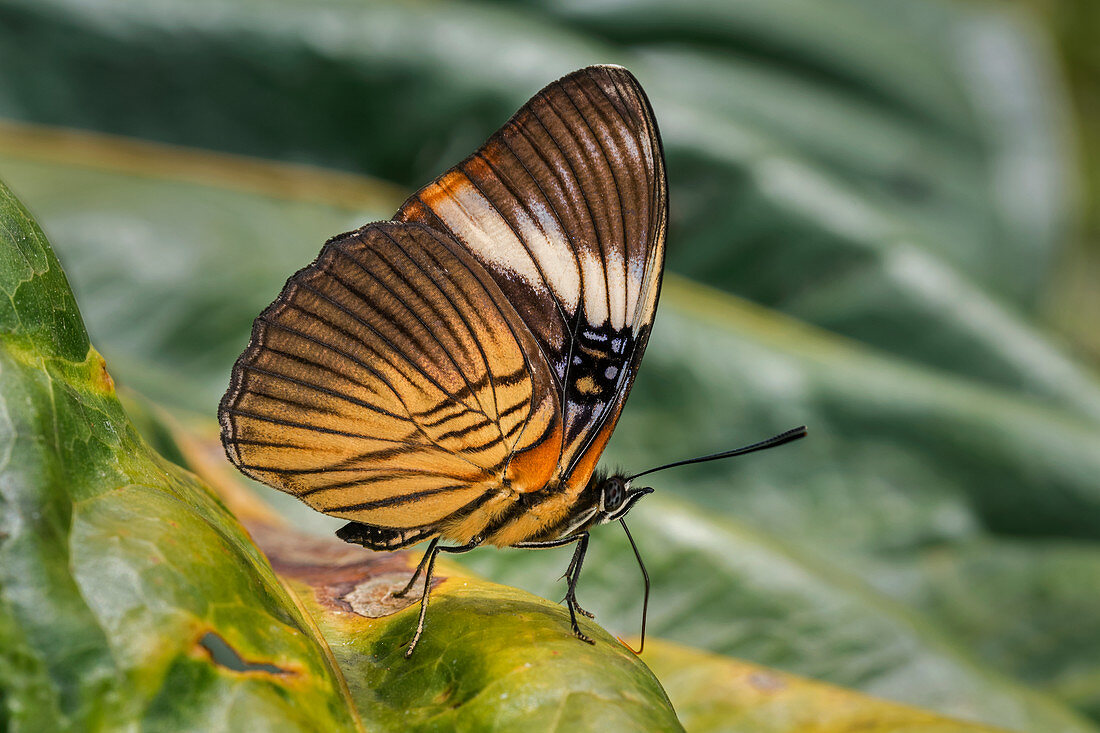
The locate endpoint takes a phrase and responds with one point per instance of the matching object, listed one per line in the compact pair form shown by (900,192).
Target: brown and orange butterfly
(456,372)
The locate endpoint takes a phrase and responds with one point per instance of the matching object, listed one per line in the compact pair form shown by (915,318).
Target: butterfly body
(455,373)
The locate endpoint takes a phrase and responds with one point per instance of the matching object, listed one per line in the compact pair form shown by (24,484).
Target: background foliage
(872,208)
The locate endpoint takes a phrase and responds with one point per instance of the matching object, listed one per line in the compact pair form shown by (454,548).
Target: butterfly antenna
(645,577)
(787,437)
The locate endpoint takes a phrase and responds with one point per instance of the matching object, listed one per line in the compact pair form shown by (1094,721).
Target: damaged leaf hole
(226,656)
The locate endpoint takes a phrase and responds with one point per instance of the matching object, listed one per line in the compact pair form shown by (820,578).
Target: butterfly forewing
(566,207)
(390,382)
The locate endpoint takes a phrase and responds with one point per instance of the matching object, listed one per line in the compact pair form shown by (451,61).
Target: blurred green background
(884,225)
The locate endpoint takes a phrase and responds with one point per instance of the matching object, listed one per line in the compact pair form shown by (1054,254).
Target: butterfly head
(615,497)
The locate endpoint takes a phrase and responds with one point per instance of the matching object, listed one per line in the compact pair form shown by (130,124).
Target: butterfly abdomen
(382,538)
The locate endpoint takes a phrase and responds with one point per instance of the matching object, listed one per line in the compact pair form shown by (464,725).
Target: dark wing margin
(566,207)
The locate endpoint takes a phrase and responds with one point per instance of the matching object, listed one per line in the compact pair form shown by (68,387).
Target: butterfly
(454,374)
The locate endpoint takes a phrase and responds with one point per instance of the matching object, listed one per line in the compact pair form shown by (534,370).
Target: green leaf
(129,596)
(491,657)
(39,310)
(1050,587)
(522,639)
(713,693)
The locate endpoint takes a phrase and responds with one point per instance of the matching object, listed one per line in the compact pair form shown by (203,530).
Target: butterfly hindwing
(566,207)
(390,383)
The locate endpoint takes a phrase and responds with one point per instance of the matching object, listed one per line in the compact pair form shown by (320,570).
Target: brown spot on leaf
(444,695)
(374,597)
(343,576)
(101,378)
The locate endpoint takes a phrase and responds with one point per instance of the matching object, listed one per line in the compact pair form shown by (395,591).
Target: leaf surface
(128,594)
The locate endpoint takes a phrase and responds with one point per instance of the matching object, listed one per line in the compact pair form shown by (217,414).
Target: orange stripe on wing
(586,464)
(535,467)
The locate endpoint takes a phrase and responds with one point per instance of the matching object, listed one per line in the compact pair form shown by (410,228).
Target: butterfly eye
(613,495)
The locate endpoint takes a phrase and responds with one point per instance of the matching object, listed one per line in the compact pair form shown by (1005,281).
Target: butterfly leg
(572,573)
(571,591)
(433,550)
(419,569)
